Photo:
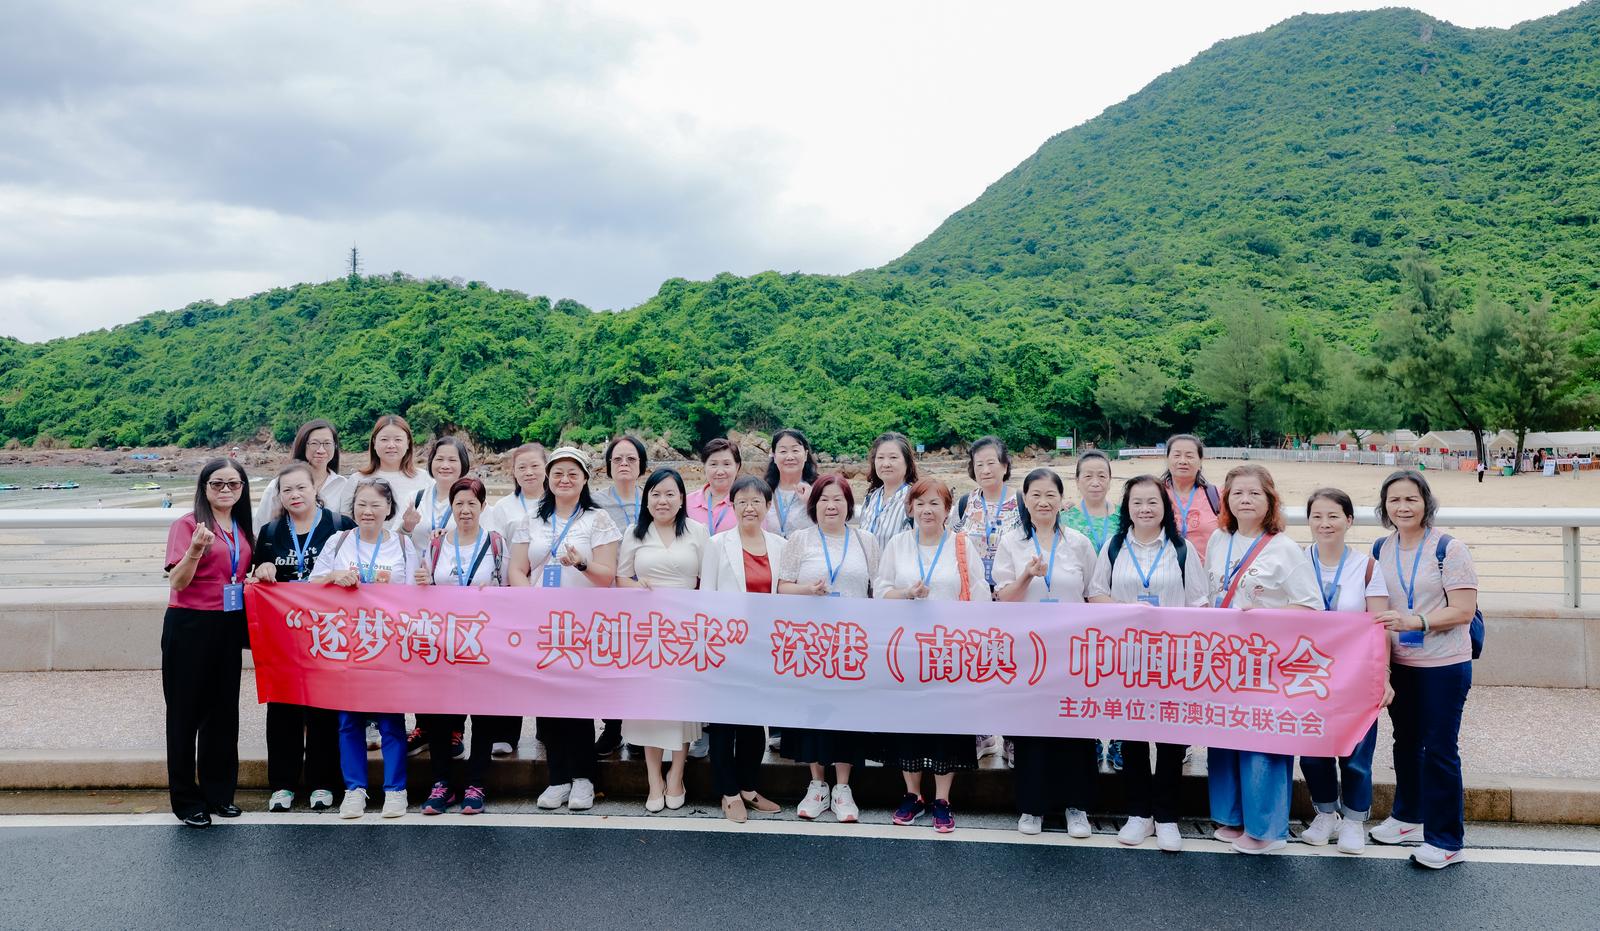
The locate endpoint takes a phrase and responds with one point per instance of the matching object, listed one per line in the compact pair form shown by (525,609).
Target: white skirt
(666,735)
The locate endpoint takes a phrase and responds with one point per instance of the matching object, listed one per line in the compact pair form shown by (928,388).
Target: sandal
(733,809)
(761,803)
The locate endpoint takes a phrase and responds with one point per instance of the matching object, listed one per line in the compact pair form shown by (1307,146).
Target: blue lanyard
(556,543)
(987,525)
(637,503)
(462,569)
(371,571)
(1329,591)
(833,573)
(522,501)
(433,513)
(877,508)
(233,552)
(1231,568)
(1145,577)
(1183,509)
(1097,538)
(1410,590)
(927,574)
(1050,570)
(783,516)
(711,510)
(299,550)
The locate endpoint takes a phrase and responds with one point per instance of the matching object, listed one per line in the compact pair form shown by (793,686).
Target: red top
(204,591)
(757,573)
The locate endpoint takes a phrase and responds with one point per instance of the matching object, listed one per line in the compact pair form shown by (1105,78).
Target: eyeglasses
(319,444)
(224,486)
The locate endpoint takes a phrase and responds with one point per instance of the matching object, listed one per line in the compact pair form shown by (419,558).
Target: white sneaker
(1249,845)
(1136,831)
(1078,823)
(374,739)
(555,796)
(816,801)
(1320,829)
(582,797)
(701,747)
(321,799)
(1168,837)
(774,740)
(1352,836)
(280,801)
(354,804)
(990,746)
(1392,831)
(501,748)
(1029,824)
(394,804)
(844,805)
(1435,859)
(1010,754)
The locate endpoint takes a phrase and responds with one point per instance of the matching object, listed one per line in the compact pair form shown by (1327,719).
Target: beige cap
(569,452)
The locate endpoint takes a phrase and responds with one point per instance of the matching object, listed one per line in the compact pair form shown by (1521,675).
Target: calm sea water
(100,488)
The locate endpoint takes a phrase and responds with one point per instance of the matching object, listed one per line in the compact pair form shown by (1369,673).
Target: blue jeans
(353,749)
(1250,790)
(1426,712)
(1348,778)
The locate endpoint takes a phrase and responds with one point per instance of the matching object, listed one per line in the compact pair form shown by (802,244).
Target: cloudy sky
(156,153)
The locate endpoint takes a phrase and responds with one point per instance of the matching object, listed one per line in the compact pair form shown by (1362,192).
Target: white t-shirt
(1442,647)
(437,514)
(405,488)
(898,568)
(663,564)
(504,515)
(804,561)
(1348,586)
(584,531)
(456,558)
(332,495)
(393,560)
(787,515)
(1070,573)
(1279,576)
(1170,586)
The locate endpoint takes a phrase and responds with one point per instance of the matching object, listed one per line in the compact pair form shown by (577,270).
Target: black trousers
(1159,799)
(302,741)
(1053,770)
(736,754)
(200,663)
(486,729)
(569,748)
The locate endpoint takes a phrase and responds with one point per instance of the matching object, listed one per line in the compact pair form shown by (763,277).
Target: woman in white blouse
(1043,561)
(527,463)
(427,512)
(664,553)
(389,457)
(828,559)
(1252,563)
(317,445)
(890,474)
(743,559)
(1148,561)
(931,562)
(790,472)
(567,542)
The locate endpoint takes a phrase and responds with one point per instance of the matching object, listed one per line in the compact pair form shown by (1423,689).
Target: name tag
(1049,601)
(233,597)
(1154,600)
(833,594)
(552,576)
(1412,638)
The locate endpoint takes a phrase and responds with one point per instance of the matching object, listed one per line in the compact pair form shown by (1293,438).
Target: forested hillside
(1312,184)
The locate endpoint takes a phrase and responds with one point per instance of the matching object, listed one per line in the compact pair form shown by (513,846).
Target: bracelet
(581,566)
(1424,619)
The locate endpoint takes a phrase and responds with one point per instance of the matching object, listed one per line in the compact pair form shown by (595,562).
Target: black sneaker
(911,808)
(416,742)
(458,748)
(610,739)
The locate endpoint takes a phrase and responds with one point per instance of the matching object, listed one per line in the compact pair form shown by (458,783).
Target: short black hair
(747,482)
(1430,504)
(638,444)
(720,444)
(1023,517)
(982,443)
(1085,456)
(460,448)
(1337,496)
(680,524)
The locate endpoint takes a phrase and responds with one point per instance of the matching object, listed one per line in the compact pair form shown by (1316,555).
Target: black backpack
(1475,628)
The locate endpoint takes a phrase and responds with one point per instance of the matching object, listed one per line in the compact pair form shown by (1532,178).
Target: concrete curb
(1517,799)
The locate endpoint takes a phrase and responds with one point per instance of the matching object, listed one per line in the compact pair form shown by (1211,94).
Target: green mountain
(1295,168)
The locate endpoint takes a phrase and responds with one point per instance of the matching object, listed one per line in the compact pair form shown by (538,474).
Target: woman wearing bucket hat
(567,542)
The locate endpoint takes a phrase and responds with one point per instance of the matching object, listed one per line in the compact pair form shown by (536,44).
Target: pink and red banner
(1294,682)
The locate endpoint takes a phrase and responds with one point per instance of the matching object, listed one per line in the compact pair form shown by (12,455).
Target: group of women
(1171,540)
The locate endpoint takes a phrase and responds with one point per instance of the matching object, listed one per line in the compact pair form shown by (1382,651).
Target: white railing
(1534,555)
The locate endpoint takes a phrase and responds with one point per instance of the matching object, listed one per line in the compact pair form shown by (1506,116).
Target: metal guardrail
(1518,551)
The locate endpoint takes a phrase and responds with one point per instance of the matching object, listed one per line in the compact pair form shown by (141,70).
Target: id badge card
(552,575)
(1049,601)
(233,597)
(1412,638)
(1152,600)
(833,594)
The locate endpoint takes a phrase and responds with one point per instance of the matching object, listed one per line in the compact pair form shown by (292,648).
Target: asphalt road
(443,874)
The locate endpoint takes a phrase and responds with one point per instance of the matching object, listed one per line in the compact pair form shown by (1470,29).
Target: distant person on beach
(166,499)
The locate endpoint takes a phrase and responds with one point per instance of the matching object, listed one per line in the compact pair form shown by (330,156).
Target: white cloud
(151,155)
